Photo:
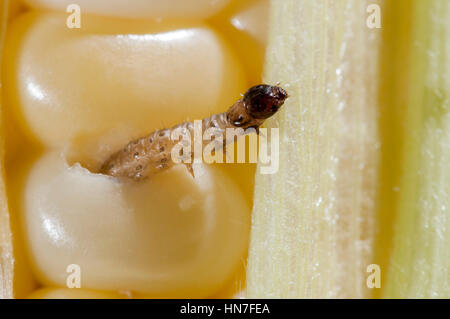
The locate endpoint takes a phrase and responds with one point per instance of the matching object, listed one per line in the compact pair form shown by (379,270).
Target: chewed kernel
(151,236)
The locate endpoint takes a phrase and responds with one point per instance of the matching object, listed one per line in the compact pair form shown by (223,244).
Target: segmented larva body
(151,154)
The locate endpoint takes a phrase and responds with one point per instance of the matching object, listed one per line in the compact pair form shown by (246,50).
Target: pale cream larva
(151,154)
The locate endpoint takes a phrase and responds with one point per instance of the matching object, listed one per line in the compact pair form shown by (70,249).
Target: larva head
(263,101)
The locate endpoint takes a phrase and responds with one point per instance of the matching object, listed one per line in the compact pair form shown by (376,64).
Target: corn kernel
(115,76)
(66,293)
(253,20)
(192,9)
(171,236)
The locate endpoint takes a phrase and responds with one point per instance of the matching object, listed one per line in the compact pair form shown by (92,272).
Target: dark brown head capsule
(263,101)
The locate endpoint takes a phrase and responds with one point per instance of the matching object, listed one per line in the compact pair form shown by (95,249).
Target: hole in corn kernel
(90,153)
(170,236)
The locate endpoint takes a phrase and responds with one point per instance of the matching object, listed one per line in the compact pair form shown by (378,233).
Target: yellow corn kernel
(112,76)
(253,20)
(191,9)
(245,24)
(66,293)
(171,236)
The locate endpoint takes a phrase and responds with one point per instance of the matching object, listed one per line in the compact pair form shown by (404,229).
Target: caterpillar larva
(151,154)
